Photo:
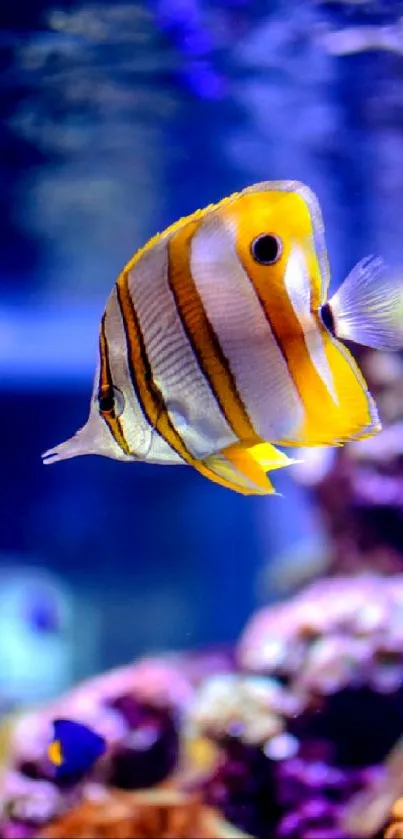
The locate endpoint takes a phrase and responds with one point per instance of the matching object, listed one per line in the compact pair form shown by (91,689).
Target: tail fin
(368,307)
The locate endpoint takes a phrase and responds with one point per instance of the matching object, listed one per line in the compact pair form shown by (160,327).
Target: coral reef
(137,709)
(285,736)
(338,648)
(117,815)
(275,740)
(358,489)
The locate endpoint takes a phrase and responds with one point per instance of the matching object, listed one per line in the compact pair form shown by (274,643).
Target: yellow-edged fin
(55,753)
(354,416)
(238,470)
(270,458)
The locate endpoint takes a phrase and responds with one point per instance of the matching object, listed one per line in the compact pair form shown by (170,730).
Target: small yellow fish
(218,343)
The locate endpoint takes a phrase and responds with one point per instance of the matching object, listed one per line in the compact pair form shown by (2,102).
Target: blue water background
(117,118)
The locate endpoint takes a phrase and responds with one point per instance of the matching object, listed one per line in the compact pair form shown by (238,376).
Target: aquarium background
(116,119)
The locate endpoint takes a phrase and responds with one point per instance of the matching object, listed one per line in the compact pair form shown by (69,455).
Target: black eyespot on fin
(327,318)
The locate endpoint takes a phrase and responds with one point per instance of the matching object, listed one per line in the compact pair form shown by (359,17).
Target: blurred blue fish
(74,748)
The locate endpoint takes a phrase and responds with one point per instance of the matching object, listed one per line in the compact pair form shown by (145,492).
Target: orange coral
(156,814)
(395,829)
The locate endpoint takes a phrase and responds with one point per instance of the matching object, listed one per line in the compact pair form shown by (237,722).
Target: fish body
(74,748)
(218,343)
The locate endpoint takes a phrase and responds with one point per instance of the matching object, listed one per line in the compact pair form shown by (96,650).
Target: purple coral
(137,709)
(245,717)
(149,751)
(338,648)
(280,742)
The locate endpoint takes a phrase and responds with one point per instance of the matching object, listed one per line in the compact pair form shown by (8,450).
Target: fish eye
(266,249)
(111,401)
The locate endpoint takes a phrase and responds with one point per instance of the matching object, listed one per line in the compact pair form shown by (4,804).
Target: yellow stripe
(105,385)
(324,421)
(286,213)
(148,393)
(201,335)
(275,302)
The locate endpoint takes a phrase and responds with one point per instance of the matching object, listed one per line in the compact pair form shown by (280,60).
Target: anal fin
(270,458)
(244,470)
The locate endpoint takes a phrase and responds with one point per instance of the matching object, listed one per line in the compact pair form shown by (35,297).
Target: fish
(219,347)
(74,748)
